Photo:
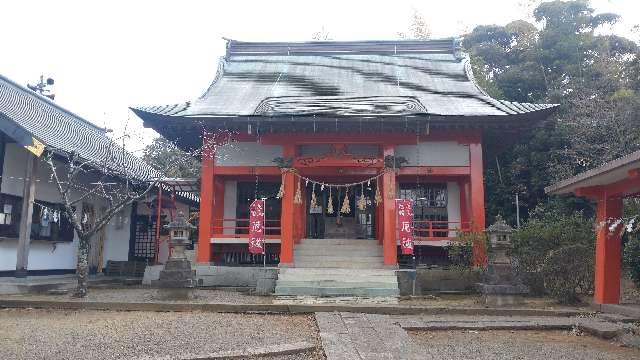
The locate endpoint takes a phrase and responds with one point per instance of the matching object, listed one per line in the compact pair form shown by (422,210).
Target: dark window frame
(62,231)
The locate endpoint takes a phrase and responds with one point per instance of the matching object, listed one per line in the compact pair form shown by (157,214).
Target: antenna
(42,87)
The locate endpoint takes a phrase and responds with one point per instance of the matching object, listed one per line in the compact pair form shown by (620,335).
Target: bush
(568,272)
(460,250)
(544,233)
(631,258)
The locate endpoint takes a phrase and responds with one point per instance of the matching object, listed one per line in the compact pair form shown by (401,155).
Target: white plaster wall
(435,153)
(45,255)
(230,203)
(118,231)
(42,255)
(453,204)
(248,154)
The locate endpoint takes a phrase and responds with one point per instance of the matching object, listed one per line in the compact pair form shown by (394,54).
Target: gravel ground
(146,295)
(51,334)
(547,345)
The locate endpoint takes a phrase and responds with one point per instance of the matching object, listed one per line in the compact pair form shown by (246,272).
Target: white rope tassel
(345,204)
(314,201)
(330,203)
(281,191)
(298,198)
(362,201)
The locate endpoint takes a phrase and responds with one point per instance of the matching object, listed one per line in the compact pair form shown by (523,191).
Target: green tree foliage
(162,152)
(595,78)
(631,258)
(547,232)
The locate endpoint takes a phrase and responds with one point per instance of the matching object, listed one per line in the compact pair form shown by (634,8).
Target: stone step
(345,264)
(354,283)
(335,291)
(366,253)
(349,272)
(340,278)
(339,257)
(345,248)
(354,242)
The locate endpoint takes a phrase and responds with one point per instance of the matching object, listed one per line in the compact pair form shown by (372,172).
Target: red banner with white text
(404,209)
(256,227)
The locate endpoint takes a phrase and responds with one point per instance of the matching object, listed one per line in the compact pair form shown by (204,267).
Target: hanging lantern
(345,204)
(378,196)
(298,197)
(330,203)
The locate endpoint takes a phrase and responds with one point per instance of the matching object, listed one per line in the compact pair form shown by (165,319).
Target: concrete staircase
(337,267)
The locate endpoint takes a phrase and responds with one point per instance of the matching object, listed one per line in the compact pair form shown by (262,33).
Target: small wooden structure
(607,185)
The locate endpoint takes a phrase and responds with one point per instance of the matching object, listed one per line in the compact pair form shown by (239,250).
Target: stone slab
(598,328)
(357,336)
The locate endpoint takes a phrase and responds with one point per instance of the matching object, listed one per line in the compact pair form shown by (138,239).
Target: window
(49,222)
(10,216)
(429,205)
(246,193)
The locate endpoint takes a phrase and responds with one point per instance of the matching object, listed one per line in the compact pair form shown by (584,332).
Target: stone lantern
(501,286)
(499,237)
(177,279)
(179,231)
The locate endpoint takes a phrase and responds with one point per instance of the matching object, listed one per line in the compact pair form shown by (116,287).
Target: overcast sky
(108,55)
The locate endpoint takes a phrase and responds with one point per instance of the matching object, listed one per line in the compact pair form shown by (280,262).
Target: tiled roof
(357,78)
(23,112)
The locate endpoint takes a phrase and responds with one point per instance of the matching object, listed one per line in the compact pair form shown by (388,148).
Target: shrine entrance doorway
(355,224)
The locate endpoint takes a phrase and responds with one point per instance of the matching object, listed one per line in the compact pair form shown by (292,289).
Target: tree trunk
(83,267)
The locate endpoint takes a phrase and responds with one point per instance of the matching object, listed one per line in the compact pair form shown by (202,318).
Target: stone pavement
(374,336)
(354,336)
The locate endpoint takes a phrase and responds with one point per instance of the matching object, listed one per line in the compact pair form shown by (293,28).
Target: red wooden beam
(248,170)
(434,170)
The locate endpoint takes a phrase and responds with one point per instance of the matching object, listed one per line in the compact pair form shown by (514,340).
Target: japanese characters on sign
(404,210)
(256,227)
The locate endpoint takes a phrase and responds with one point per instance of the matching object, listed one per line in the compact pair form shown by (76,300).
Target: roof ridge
(448,45)
(52,103)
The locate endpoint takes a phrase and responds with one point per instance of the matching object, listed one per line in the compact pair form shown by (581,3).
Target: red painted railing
(426,230)
(238,228)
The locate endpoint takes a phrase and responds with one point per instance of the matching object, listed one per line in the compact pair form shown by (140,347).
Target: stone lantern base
(501,286)
(177,280)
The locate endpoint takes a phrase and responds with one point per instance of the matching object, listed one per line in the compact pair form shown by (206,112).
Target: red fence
(234,228)
(426,230)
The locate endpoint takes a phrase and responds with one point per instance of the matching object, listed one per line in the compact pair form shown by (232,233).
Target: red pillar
(380,215)
(608,247)
(287,212)
(477,199)
(389,247)
(287,218)
(464,203)
(206,199)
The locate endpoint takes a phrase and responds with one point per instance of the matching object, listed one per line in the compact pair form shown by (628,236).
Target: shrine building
(331,133)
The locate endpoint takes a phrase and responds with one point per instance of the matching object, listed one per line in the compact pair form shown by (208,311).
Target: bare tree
(322,35)
(418,29)
(113,178)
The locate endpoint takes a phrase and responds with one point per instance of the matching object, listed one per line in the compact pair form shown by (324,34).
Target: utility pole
(517,212)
